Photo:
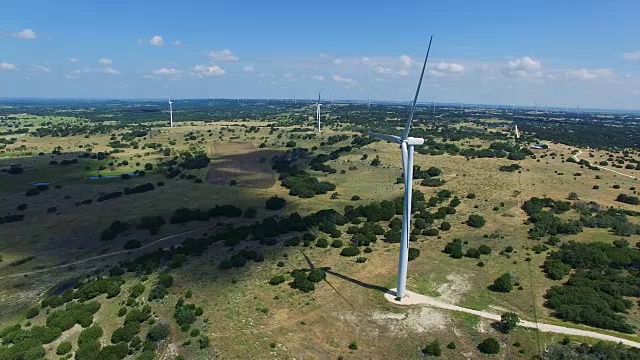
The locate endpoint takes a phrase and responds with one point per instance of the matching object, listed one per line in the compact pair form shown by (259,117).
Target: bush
(323,242)
(132,244)
(413,253)
(32,312)
(454,249)
(250,213)
(353,346)
(276,280)
(451,345)
(158,332)
(508,322)
(316,275)
(355,198)
(350,251)
(433,349)
(337,244)
(275,203)
(473,253)
(484,249)
(489,346)
(503,284)
(63,348)
(476,221)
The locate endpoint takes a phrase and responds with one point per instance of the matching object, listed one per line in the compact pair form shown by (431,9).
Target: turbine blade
(390,138)
(405,133)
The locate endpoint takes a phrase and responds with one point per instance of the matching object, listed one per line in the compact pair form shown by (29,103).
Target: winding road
(101,256)
(575,157)
(418,299)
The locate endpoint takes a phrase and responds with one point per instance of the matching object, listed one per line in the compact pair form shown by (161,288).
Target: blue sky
(551,52)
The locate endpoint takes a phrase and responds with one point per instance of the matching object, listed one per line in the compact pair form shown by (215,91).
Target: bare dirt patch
(242,162)
(453,290)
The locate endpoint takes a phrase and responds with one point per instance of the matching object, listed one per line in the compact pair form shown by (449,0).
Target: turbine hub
(414,141)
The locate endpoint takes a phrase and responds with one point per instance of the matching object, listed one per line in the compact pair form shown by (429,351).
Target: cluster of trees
(194,161)
(117,227)
(186,314)
(306,186)
(510,168)
(183,215)
(11,218)
(595,294)
(138,189)
(306,282)
(497,150)
(599,350)
(241,258)
(628,199)
(161,288)
(545,222)
(151,223)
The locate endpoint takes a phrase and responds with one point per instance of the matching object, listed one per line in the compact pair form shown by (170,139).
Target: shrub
(63,348)
(445,226)
(350,251)
(316,275)
(158,332)
(489,346)
(323,242)
(353,346)
(454,249)
(473,253)
(337,244)
(508,322)
(132,244)
(355,198)
(432,349)
(503,284)
(250,213)
(451,345)
(413,253)
(484,249)
(276,280)
(275,203)
(32,312)
(476,221)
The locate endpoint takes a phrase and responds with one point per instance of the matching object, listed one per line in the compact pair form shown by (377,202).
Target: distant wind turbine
(407,145)
(170,113)
(318,112)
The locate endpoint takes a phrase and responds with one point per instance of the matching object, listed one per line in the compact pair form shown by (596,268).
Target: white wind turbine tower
(318,112)
(406,144)
(170,113)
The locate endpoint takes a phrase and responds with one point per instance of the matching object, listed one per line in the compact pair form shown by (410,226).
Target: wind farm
(329,187)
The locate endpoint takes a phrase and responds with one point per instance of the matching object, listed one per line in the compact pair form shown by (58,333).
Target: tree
(158,332)
(350,251)
(275,203)
(484,249)
(316,275)
(413,253)
(63,348)
(276,280)
(432,349)
(322,242)
(489,346)
(503,284)
(476,221)
(508,322)
(572,196)
(473,253)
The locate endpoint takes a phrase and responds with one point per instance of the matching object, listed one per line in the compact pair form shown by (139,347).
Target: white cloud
(288,76)
(406,60)
(633,55)
(222,55)
(524,68)
(403,72)
(248,69)
(343,80)
(204,70)
(317,77)
(167,72)
(337,61)
(383,70)
(110,71)
(73,60)
(177,43)
(105,61)
(7,66)
(39,68)
(70,76)
(156,40)
(26,34)
(443,68)
(591,74)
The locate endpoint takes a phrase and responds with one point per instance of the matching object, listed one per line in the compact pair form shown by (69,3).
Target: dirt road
(418,299)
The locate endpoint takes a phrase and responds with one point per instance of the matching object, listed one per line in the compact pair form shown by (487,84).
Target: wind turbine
(170,113)
(318,112)
(406,145)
